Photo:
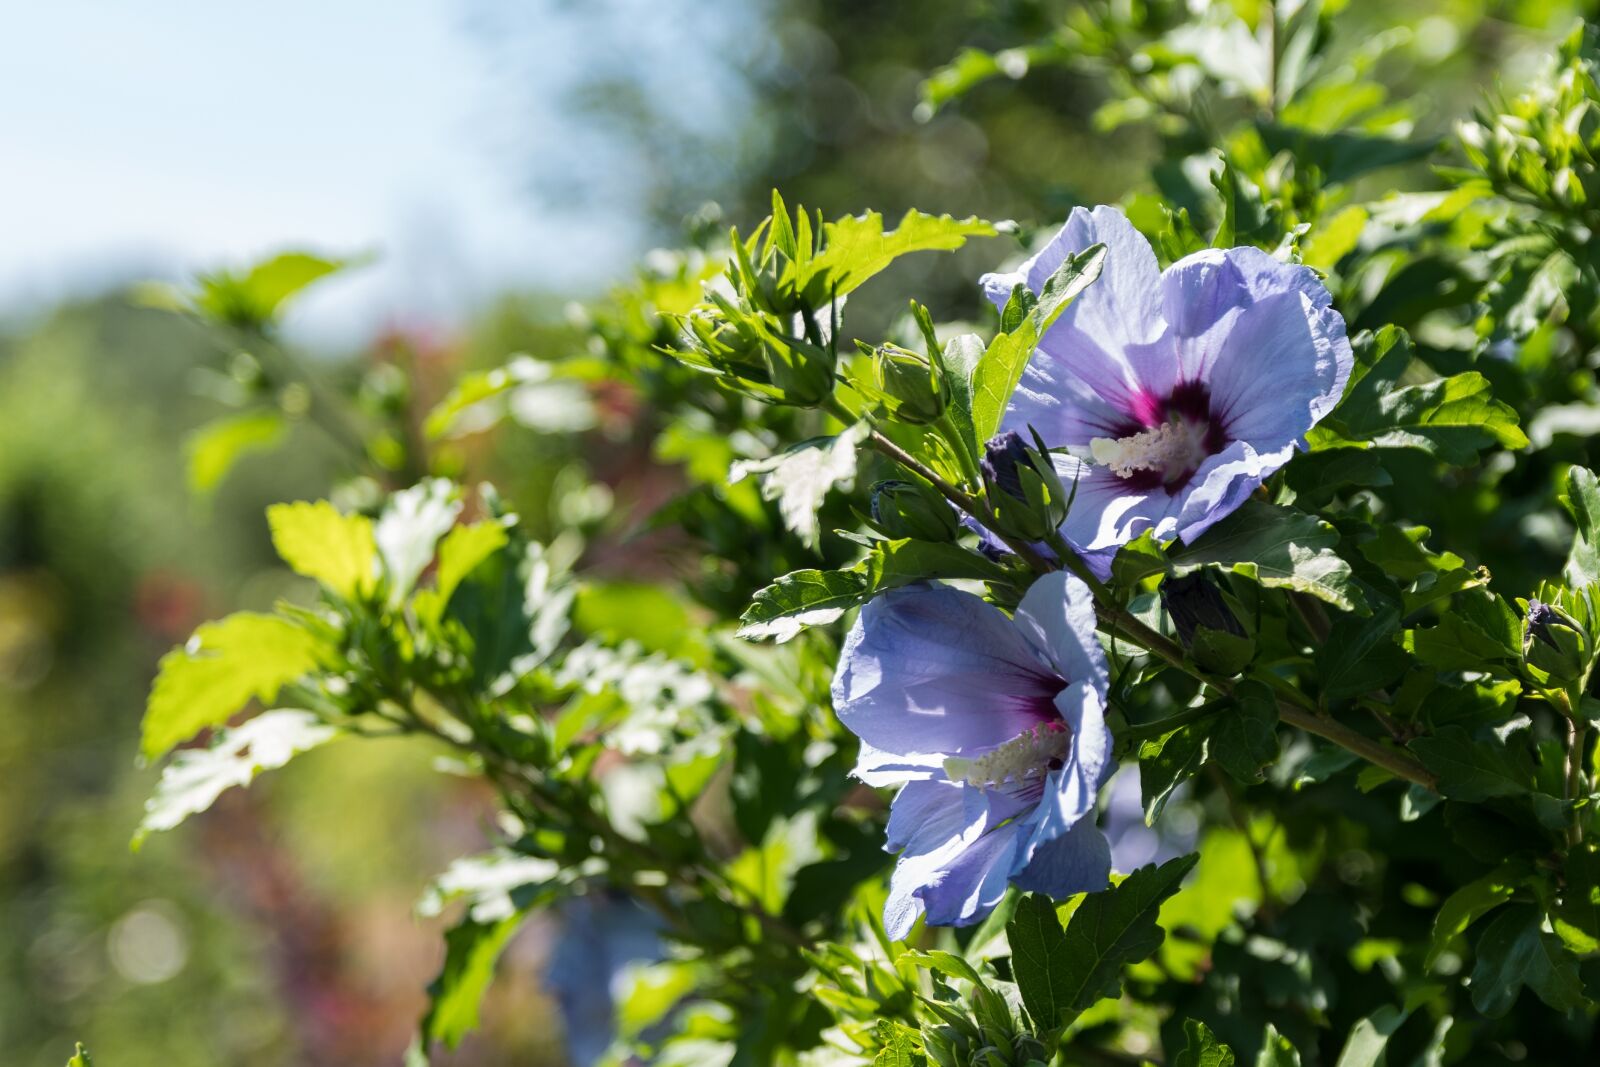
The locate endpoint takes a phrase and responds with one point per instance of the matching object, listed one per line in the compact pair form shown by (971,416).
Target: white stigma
(1023,758)
(1175,448)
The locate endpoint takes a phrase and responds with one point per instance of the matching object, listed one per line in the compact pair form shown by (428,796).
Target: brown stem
(1330,729)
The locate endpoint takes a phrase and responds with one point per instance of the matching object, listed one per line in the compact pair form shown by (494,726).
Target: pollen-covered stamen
(1024,758)
(1174,449)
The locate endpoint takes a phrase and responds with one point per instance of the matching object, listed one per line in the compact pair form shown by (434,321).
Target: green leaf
(1370,1036)
(1470,769)
(80,1058)
(1276,1051)
(897,1049)
(962,354)
(1582,501)
(997,373)
(800,476)
(1470,903)
(1201,1047)
(531,390)
(1316,476)
(1479,631)
(1244,738)
(1514,952)
(1137,560)
(254,298)
(471,951)
(1576,918)
(1360,655)
(195,778)
(461,552)
(224,665)
(856,248)
(1335,238)
(216,447)
(1062,973)
(801,599)
(767,871)
(494,885)
(1279,548)
(515,609)
(816,598)
(1452,418)
(320,542)
(1168,761)
(1426,576)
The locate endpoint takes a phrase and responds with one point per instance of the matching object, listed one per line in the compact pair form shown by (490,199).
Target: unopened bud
(1000,459)
(904,509)
(1206,625)
(915,388)
(1555,643)
(1023,488)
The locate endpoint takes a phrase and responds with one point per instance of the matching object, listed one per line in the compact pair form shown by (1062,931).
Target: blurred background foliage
(280,930)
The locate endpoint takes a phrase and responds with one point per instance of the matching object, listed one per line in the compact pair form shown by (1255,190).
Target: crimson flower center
(1165,441)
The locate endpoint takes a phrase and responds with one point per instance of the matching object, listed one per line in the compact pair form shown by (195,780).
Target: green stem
(1577,738)
(958,444)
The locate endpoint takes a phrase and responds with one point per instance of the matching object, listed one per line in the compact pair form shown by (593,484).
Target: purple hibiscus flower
(997,726)
(1175,394)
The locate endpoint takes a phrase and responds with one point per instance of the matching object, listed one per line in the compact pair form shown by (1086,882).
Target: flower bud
(915,388)
(904,509)
(1001,457)
(1555,643)
(1206,625)
(1023,488)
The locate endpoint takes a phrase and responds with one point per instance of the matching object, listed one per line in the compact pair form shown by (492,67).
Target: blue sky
(159,137)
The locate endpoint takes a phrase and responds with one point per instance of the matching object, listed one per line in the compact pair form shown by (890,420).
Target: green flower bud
(915,388)
(1555,643)
(905,509)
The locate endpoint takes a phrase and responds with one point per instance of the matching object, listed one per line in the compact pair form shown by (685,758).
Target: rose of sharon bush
(1176,393)
(997,726)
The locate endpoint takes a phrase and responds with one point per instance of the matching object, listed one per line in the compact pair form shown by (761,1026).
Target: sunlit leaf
(215,448)
(799,477)
(222,667)
(318,541)
(194,778)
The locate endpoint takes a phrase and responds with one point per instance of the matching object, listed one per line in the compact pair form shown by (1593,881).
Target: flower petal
(951,843)
(973,882)
(1123,305)
(926,813)
(1057,615)
(1079,861)
(1282,366)
(1079,385)
(876,767)
(1073,390)
(1106,512)
(932,667)
(1222,483)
